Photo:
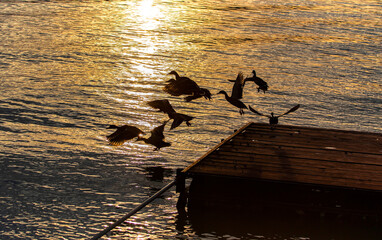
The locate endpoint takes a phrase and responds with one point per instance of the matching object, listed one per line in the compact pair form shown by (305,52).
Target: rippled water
(68,69)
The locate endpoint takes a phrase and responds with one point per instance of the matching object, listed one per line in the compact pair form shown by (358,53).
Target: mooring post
(181,189)
(180,180)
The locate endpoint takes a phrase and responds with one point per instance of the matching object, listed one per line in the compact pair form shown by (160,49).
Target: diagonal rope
(135,210)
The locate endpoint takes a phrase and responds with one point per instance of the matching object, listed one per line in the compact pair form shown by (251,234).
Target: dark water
(68,69)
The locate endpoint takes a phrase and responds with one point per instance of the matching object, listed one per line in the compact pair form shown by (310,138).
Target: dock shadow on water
(279,225)
(268,210)
(157,173)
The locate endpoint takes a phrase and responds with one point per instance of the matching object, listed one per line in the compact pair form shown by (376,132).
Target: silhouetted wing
(183,86)
(189,84)
(162,105)
(171,88)
(158,131)
(254,111)
(172,91)
(116,138)
(176,122)
(290,110)
(237,90)
(123,134)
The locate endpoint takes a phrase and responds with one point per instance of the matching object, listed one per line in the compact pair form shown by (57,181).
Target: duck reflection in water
(123,134)
(165,106)
(272,118)
(237,94)
(156,138)
(157,173)
(185,86)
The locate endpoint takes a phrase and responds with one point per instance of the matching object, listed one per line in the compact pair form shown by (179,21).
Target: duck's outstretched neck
(225,94)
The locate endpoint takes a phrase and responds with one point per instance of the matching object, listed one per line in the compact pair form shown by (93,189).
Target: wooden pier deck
(294,154)
(288,181)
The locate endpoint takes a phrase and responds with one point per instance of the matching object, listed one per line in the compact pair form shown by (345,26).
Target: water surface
(68,69)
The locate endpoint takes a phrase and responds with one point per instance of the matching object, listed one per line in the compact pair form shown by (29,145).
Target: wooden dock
(298,178)
(294,154)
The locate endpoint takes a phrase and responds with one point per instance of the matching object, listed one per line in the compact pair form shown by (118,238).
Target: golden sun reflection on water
(147,10)
(143,46)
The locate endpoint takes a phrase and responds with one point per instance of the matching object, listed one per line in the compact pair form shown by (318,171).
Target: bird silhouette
(272,118)
(157,138)
(262,85)
(185,86)
(237,93)
(165,106)
(123,134)
(203,92)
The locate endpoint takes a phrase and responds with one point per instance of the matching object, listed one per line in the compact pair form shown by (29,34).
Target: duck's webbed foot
(241,112)
(188,123)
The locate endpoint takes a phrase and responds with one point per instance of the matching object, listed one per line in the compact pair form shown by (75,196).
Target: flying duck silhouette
(272,118)
(262,85)
(237,93)
(185,86)
(156,138)
(165,106)
(123,134)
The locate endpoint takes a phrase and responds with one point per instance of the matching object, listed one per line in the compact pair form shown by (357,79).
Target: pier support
(182,190)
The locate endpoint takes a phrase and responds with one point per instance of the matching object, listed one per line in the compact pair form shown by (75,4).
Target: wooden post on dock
(181,189)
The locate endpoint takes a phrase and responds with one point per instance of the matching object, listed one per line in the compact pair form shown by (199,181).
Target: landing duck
(237,94)
(272,118)
(165,106)
(262,85)
(185,86)
(157,138)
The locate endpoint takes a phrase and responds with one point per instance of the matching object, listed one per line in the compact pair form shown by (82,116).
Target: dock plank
(297,154)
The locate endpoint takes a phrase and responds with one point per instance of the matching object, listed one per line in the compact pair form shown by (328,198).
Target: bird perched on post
(123,134)
(185,86)
(262,85)
(237,93)
(165,106)
(272,118)
(156,138)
